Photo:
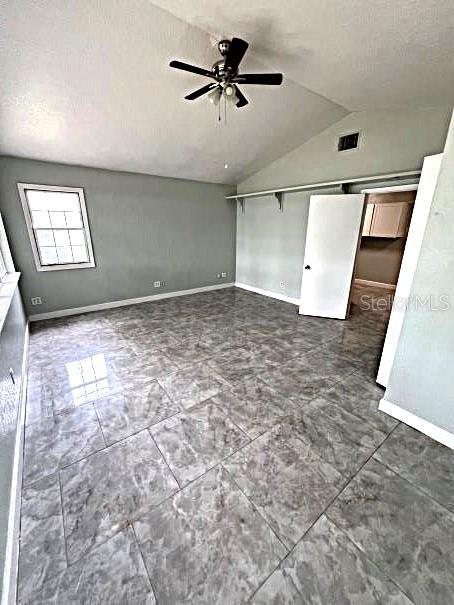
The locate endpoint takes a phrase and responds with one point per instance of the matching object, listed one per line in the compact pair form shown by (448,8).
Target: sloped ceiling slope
(362,55)
(88,83)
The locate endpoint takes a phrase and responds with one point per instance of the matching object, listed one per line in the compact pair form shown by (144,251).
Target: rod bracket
(345,187)
(280,200)
(241,202)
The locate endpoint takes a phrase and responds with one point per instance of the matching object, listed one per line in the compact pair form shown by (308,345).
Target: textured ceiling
(88,82)
(362,55)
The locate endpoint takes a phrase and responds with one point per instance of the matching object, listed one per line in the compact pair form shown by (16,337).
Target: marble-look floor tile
(425,463)
(39,404)
(193,385)
(194,441)
(327,569)
(407,534)
(42,546)
(105,492)
(341,438)
(287,482)
(361,397)
(253,406)
(53,443)
(207,545)
(306,375)
(189,352)
(112,573)
(151,339)
(148,368)
(132,410)
(238,370)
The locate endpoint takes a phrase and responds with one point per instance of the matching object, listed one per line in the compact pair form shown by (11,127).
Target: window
(57,223)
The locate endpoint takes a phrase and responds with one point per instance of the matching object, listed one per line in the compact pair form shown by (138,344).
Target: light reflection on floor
(88,378)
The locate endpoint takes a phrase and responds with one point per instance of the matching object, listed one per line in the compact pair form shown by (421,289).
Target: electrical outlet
(157,284)
(281,283)
(36,300)
(219,276)
(223,274)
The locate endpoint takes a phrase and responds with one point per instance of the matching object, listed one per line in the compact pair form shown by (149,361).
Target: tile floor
(219,449)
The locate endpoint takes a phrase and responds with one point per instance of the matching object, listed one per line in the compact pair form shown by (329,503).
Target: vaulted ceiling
(88,82)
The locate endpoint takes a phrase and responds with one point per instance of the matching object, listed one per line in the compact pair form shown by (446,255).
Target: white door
(423,202)
(333,236)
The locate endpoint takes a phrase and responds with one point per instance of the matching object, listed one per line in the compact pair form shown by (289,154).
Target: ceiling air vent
(348,141)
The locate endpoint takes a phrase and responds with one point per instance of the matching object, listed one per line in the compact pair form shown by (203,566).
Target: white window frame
(22,188)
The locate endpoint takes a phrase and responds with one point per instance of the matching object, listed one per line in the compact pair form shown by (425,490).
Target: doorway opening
(386,223)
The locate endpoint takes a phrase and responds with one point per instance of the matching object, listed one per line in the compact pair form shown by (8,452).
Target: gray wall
(12,340)
(421,377)
(379,259)
(144,228)
(270,245)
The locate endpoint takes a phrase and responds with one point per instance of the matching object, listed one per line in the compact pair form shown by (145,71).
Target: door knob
(307,267)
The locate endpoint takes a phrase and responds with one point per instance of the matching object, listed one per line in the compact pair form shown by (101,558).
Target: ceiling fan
(226,75)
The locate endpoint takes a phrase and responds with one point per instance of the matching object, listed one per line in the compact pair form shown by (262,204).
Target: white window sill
(7,290)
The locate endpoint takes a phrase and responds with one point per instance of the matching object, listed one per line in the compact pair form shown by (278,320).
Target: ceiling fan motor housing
(221,72)
(224,46)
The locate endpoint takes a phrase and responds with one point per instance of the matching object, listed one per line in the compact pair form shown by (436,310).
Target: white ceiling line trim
(339,182)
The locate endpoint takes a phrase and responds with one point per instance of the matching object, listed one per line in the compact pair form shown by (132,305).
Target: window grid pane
(58,227)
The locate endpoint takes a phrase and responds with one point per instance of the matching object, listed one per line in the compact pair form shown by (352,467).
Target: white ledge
(408,174)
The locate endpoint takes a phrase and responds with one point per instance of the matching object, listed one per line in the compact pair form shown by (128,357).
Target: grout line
(324,511)
(100,427)
(165,461)
(143,561)
(63,518)
(366,555)
(418,489)
(255,507)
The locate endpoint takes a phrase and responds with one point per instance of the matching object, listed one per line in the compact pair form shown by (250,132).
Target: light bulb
(226,165)
(229,90)
(215,96)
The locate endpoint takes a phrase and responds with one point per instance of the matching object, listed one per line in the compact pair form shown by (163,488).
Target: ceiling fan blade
(192,68)
(271,79)
(242,101)
(200,91)
(236,52)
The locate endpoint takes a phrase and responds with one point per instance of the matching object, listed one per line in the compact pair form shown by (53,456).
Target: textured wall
(421,377)
(270,245)
(390,141)
(143,228)
(11,355)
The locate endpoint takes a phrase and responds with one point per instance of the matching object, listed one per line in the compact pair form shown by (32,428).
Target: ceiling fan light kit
(226,75)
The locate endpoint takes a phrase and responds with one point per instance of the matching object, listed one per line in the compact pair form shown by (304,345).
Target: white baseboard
(288,299)
(375,284)
(10,569)
(429,429)
(126,302)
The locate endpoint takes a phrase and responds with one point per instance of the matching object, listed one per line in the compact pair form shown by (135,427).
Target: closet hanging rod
(339,182)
